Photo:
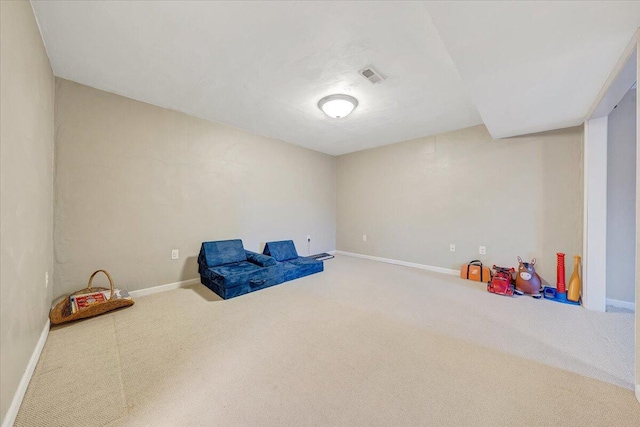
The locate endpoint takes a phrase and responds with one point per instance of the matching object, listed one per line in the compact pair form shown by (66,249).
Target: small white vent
(371,74)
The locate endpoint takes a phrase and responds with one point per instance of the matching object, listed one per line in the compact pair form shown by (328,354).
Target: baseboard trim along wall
(163,288)
(621,304)
(12,413)
(403,263)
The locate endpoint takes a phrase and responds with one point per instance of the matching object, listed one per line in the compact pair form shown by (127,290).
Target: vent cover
(371,74)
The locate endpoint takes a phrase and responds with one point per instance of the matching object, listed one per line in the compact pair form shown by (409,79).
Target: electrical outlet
(482,250)
(46,280)
(175,254)
(452,248)
(364,237)
(308,238)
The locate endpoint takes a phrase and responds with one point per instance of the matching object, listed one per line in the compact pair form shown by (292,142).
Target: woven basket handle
(108,277)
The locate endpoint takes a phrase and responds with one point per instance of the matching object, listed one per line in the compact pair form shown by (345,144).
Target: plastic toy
(527,280)
(560,283)
(502,281)
(552,294)
(559,294)
(575,284)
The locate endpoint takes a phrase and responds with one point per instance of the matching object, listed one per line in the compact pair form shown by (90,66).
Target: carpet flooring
(362,344)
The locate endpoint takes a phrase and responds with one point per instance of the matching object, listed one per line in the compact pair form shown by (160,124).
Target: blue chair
(229,270)
(294,266)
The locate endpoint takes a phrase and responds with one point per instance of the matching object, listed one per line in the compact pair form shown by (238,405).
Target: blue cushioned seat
(242,267)
(229,270)
(294,266)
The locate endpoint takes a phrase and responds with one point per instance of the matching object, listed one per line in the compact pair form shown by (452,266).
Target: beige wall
(621,200)
(26,197)
(518,196)
(135,181)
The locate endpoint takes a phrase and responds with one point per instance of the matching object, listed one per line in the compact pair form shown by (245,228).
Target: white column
(594,292)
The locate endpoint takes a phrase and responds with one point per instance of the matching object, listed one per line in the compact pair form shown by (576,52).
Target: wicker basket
(61,313)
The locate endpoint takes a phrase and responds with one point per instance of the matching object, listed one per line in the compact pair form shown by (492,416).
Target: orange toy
(575,284)
(475,271)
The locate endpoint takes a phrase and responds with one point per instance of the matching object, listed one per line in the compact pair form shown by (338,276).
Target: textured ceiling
(534,66)
(263,66)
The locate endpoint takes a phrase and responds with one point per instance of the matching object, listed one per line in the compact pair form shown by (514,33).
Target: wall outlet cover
(175,254)
(482,250)
(452,248)
(364,237)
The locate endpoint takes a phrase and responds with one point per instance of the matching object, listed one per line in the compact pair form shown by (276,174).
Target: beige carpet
(362,344)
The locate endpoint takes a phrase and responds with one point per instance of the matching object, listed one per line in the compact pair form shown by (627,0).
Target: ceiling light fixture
(338,106)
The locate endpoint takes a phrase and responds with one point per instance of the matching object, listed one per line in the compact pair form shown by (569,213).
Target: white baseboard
(403,263)
(621,304)
(163,288)
(12,413)
(333,252)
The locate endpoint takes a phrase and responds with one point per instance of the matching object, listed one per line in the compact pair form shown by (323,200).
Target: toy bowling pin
(575,284)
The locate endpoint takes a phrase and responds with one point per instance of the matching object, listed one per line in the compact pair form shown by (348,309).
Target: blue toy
(294,266)
(552,294)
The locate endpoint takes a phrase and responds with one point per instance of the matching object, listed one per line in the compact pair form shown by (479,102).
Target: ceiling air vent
(371,74)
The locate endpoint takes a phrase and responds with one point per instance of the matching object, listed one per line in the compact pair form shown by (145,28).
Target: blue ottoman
(294,266)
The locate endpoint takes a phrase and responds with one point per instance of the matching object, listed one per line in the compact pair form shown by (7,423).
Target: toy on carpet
(502,281)
(559,293)
(474,270)
(575,284)
(560,283)
(527,280)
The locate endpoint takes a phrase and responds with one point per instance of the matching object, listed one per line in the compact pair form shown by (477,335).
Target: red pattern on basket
(84,301)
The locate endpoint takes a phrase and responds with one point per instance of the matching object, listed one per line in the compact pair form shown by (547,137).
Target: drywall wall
(135,181)
(621,200)
(26,197)
(517,196)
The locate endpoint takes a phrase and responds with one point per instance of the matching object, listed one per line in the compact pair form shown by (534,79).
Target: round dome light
(338,106)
